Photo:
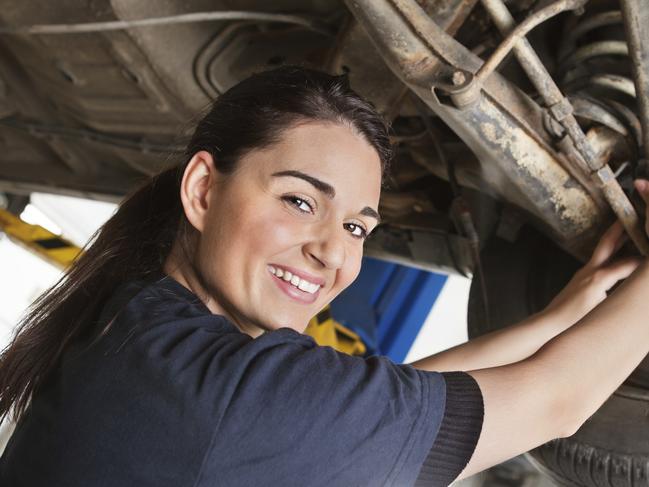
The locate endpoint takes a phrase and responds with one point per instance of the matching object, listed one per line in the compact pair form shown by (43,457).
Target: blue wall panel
(387,305)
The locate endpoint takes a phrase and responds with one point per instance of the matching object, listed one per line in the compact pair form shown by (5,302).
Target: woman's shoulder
(150,312)
(159,300)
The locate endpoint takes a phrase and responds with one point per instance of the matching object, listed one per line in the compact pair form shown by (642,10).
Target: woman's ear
(195,188)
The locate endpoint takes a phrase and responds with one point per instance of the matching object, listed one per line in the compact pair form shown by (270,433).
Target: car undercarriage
(523,122)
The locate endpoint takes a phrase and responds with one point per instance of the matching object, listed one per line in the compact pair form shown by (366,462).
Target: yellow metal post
(326,331)
(38,240)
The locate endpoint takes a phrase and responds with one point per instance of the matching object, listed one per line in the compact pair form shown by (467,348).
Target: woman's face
(283,235)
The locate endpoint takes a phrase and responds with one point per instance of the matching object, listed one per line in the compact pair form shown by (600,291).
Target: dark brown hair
(136,241)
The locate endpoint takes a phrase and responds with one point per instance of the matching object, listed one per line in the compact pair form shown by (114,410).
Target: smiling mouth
(295,287)
(300,283)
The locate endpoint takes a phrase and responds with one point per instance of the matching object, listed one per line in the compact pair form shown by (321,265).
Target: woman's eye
(356,230)
(299,203)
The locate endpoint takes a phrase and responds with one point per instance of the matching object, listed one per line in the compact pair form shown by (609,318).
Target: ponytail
(136,241)
(133,243)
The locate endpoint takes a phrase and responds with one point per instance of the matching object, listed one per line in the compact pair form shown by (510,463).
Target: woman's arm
(553,392)
(514,343)
(500,347)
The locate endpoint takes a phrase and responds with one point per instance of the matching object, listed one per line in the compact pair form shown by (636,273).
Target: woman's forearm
(553,392)
(593,357)
(500,347)
(586,289)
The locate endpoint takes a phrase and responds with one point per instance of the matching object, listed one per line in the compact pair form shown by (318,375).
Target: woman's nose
(327,247)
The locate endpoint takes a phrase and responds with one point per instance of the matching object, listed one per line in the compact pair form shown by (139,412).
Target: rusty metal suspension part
(636,17)
(592,71)
(560,107)
(516,36)
(504,128)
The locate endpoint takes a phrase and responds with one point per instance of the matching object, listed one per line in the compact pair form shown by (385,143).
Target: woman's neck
(186,275)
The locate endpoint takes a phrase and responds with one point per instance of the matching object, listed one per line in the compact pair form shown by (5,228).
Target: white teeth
(308,287)
(303,285)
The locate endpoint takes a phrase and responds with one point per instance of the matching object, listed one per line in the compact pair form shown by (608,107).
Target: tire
(612,447)
(521,278)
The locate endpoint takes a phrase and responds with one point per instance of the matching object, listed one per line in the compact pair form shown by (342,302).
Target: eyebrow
(325,188)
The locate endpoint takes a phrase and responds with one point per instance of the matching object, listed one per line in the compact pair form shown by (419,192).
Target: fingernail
(640,185)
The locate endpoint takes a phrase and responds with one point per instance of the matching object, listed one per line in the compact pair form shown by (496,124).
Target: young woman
(171,354)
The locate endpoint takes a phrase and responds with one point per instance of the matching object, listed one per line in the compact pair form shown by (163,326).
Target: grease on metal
(569,201)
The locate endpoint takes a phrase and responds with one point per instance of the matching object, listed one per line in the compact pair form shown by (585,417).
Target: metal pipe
(516,36)
(168,20)
(517,159)
(561,110)
(444,47)
(636,19)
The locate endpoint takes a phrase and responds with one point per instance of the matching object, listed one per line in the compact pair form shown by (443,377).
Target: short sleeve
(301,414)
(171,394)
(458,433)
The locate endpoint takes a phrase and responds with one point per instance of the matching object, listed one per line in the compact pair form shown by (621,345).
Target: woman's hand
(589,285)
(551,393)
(519,341)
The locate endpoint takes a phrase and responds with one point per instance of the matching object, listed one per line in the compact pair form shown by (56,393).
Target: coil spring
(594,70)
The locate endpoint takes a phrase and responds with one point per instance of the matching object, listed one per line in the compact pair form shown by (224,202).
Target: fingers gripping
(610,243)
(615,236)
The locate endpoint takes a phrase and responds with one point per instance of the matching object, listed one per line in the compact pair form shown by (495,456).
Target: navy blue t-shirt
(173,395)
